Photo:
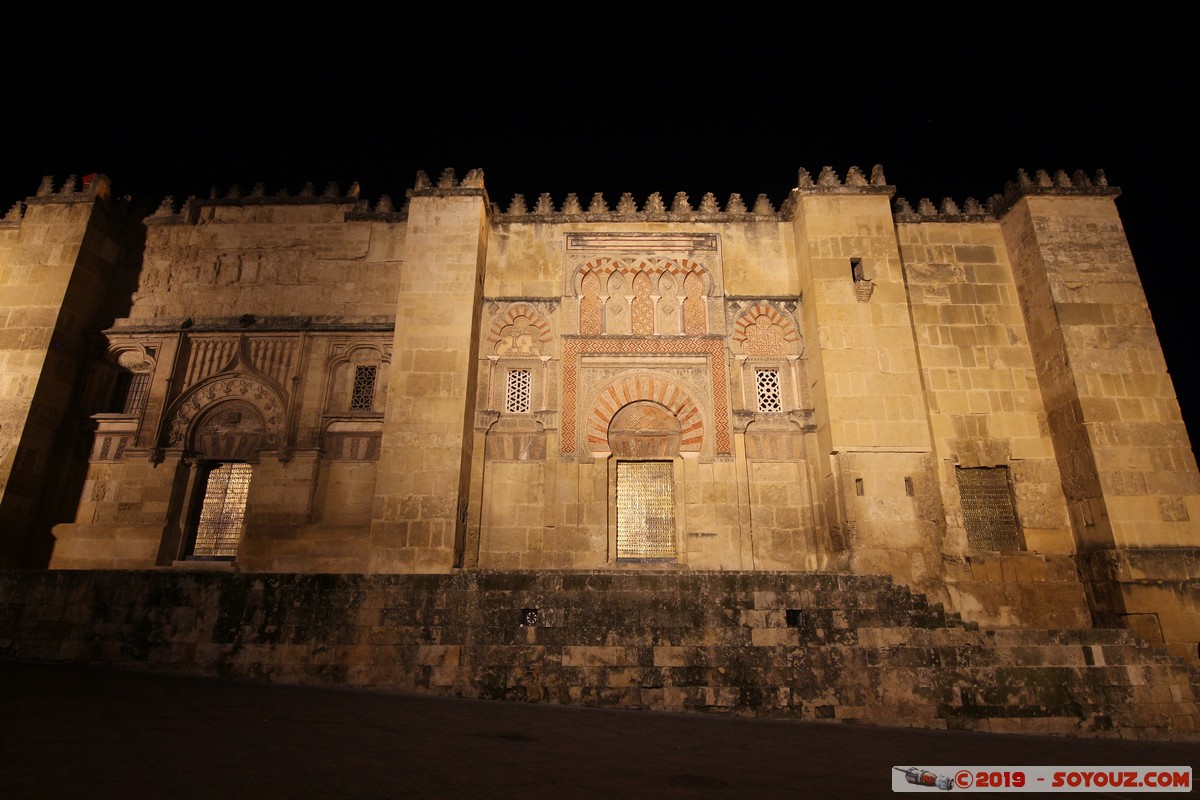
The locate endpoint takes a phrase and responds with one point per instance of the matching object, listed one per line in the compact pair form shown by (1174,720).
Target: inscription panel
(645,511)
(988,513)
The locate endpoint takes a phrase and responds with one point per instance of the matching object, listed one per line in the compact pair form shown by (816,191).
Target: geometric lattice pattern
(988,512)
(223,514)
(516,393)
(642,308)
(767,383)
(362,396)
(693,305)
(645,511)
(591,313)
(132,390)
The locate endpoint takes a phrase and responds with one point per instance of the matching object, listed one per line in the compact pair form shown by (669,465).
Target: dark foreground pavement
(80,732)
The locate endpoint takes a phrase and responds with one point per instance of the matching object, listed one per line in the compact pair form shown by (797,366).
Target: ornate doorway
(225,438)
(641,436)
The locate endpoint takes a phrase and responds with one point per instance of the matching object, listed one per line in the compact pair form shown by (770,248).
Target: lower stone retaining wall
(805,646)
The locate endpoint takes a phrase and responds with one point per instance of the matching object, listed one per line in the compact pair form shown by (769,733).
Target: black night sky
(951,100)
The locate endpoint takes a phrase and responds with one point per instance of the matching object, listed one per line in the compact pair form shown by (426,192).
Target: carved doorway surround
(226,439)
(644,439)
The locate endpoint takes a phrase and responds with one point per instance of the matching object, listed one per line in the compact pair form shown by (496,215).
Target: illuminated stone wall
(451,384)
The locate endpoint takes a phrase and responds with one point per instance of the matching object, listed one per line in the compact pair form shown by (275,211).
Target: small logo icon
(923,777)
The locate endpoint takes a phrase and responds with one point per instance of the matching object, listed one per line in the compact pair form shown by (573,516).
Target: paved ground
(79,732)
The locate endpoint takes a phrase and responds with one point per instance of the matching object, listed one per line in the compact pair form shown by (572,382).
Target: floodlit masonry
(969,399)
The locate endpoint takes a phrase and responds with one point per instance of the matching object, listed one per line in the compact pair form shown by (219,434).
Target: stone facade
(815,646)
(970,400)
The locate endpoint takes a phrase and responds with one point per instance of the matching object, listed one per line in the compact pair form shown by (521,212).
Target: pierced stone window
(131,392)
(223,513)
(767,383)
(645,511)
(362,396)
(987,505)
(516,393)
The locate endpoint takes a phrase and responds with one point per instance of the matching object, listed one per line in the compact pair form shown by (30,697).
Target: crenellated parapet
(72,190)
(14,215)
(168,212)
(308,194)
(1042,183)
(448,184)
(947,211)
(1056,183)
(855,182)
(654,209)
(681,209)
(829,182)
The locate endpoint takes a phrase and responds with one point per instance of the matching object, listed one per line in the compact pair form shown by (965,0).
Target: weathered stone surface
(807,646)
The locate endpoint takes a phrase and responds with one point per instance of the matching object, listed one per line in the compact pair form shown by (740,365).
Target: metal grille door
(645,511)
(222,516)
(987,506)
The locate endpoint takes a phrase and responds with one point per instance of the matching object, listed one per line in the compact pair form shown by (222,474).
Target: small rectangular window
(132,390)
(767,383)
(516,393)
(362,397)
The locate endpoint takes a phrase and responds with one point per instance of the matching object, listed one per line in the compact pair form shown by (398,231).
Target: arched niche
(655,390)
(233,430)
(644,429)
(358,378)
(197,403)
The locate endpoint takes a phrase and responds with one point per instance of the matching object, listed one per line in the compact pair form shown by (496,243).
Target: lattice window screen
(516,393)
(767,383)
(987,505)
(223,514)
(362,396)
(136,393)
(645,510)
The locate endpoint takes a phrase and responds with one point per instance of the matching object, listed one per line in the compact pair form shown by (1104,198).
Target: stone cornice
(251,324)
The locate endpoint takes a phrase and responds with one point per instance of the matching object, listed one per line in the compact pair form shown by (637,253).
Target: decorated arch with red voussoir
(510,315)
(749,316)
(644,386)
